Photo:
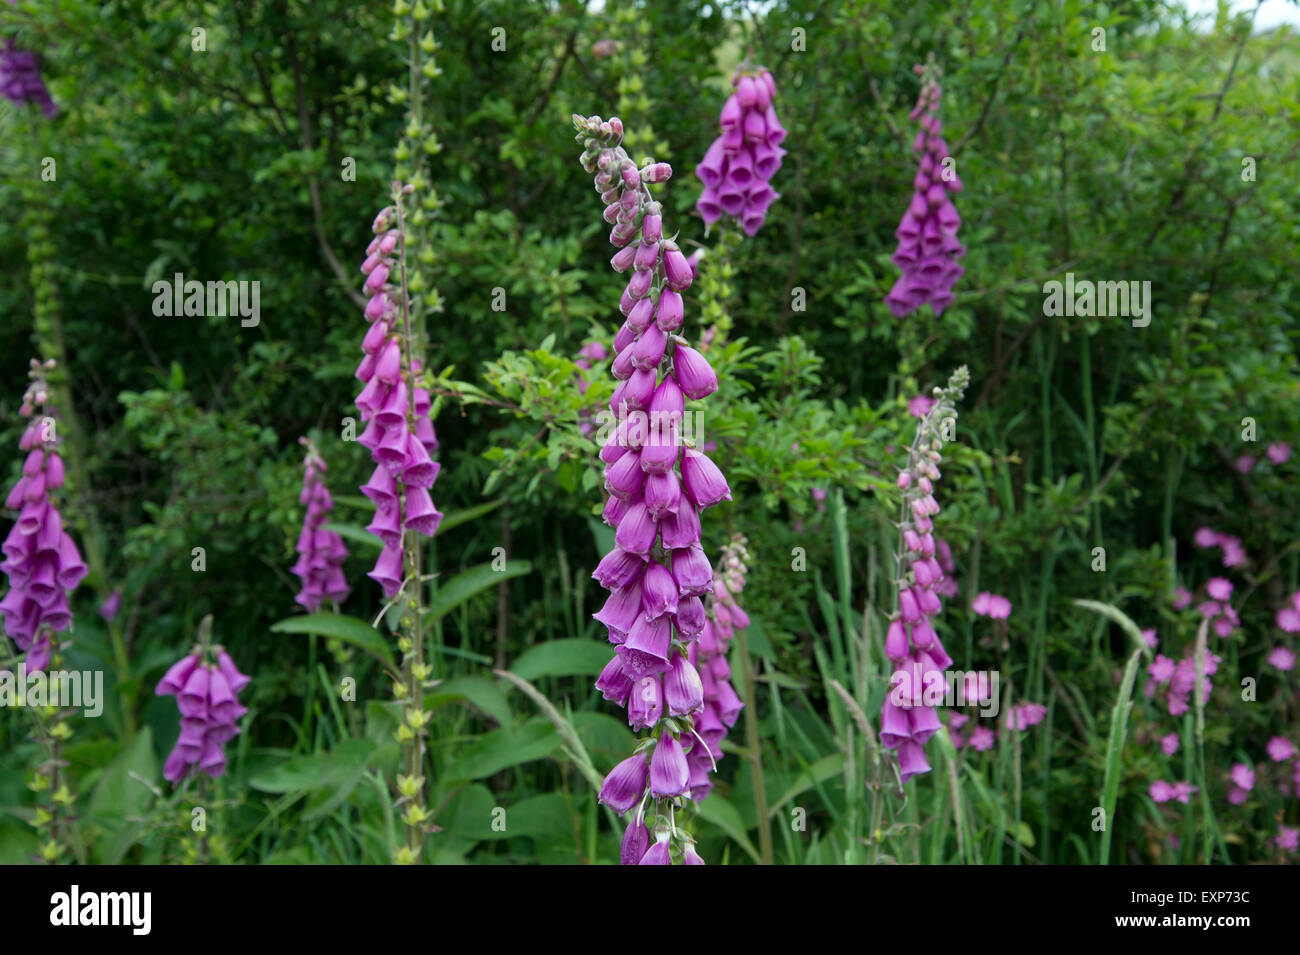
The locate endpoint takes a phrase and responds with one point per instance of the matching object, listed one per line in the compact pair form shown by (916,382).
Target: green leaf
(1115,751)
(818,772)
(123,794)
(456,518)
(602,534)
(478,691)
(1113,613)
(342,627)
(503,748)
(549,814)
(469,583)
(723,814)
(569,656)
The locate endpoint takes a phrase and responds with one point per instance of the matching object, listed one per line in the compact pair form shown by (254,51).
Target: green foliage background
(1119,164)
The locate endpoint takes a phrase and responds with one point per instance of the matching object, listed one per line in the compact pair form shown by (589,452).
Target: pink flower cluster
(321,552)
(981,737)
(1279,452)
(928,250)
(1234,554)
(207,696)
(1180,678)
(399,433)
(739,164)
(1221,614)
(1161,791)
(657,573)
(41,560)
(1288,617)
(991,605)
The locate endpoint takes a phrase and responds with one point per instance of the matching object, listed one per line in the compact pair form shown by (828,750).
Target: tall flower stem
(415,670)
(49,341)
(752,745)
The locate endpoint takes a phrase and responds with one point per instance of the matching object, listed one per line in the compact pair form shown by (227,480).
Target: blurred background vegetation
(1117,164)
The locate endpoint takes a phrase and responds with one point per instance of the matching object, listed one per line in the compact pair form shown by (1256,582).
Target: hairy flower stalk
(908,718)
(206,684)
(321,552)
(739,165)
(657,574)
(401,440)
(721,705)
(928,250)
(43,566)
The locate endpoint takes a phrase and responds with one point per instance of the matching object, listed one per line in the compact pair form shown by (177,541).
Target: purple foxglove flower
(108,609)
(683,692)
(174,680)
(647,256)
(928,274)
(388,572)
(637,531)
(645,704)
(693,373)
(614,684)
(623,606)
(649,348)
(636,840)
(670,311)
(236,680)
(680,529)
(712,167)
(691,616)
(638,286)
(676,272)
(911,760)
(625,784)
(646,489)
(619,569)
(625,478)
(658,854)
(668,770)
(740,168)
(657,596)
(732,114)
(645,652)
(639,389)
(702,480)
(731,196)
(662,448)
(746,93)
(692,571)
(421,516)
(709,207)
(641,315)
(193,699)
(623,258)
(663,494)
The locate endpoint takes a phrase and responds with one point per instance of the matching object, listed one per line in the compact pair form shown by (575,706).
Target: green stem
(753,745)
